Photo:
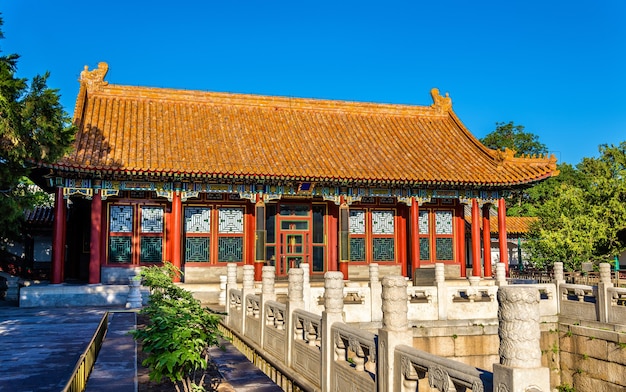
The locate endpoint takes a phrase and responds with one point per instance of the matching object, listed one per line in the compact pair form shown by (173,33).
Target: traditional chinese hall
(202,179)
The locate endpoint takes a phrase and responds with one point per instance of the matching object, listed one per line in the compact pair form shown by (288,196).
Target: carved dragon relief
(94,80)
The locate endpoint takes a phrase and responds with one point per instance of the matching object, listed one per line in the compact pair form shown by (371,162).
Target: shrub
(179,332)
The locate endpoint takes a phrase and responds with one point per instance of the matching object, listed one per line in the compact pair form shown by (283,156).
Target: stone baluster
(501,274)
(333,312)
(248,277)
(559,279)
(295,300)
(268,278)
(268,293)
(133,301)
(247,288)
(603,296)
(559,276)
(221,299)
(520,352)
(376,290)
(306,285)
(442,291)
(395,330)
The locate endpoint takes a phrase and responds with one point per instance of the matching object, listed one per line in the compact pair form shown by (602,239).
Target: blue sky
(556,67)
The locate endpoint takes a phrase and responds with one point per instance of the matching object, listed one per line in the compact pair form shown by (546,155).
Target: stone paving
(41,346)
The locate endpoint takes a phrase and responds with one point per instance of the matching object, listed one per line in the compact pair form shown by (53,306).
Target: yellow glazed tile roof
(167,132)
(514,224)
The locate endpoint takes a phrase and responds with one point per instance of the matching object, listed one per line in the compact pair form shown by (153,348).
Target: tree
(584,217)
(565,231)
(511,136)
(606,190)
(529,201)
(514,137)
(33,128)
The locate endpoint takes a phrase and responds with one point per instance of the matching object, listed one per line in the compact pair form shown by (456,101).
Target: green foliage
(565,388)
(583,216)
(529,201)
(33,128)
(179,332)
(564,232)
(514,137)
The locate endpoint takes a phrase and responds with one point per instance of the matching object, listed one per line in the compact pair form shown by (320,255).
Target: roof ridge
(93,82)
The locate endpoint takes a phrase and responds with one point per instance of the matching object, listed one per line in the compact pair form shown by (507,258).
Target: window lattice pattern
(231,220)
(198,220)
(382,222)
(443,222)
(443,248)
(121,220)
(423,222)
(383,249)
(119,249)
(357,249)
(152,220)
(151,250)
(230,249)
(197,249)
(424,249)
(357,222)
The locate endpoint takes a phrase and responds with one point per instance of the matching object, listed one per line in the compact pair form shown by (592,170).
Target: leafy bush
(179,333)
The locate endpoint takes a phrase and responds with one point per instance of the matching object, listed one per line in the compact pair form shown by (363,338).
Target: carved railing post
(268,293)
(395,330)
(134,300)
(603,302)
(306,285)
(333,312)
(247,288)
(376,290)
(295,300)
(520,352)
(231,283)
(559,279)
(221,299)
(501,274)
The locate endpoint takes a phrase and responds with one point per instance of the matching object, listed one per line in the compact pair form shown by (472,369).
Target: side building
(202,179)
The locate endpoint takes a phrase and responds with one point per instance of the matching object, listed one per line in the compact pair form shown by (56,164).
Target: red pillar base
(343,268)
(258,271)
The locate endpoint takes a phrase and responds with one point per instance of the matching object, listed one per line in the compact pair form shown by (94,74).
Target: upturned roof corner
(441,104)
(94,79)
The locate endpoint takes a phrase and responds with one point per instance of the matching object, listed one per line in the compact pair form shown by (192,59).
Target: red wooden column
(176,235)
(502,235)
(402,240)
(475,238)
(344,238)
(260,235)
(58,238)
(95,249)
(333,234)
(487,240)
(414,216)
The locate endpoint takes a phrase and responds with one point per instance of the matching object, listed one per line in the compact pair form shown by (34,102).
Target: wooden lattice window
(372,235)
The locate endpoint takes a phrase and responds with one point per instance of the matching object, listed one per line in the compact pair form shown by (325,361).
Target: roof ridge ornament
(441,104)
(501,156)
(94,80)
